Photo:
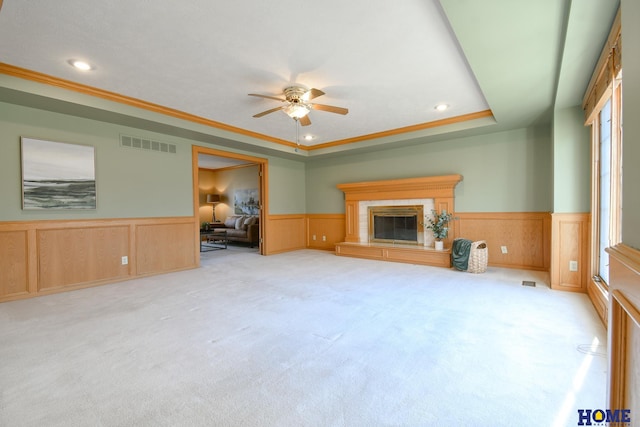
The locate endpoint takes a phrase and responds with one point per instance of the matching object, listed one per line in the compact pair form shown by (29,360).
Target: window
(604,188)
(607,179)
(603,111)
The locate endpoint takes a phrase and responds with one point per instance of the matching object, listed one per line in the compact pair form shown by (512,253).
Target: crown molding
(37,77)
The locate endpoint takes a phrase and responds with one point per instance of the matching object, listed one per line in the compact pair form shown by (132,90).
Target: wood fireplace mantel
(409,188)
(439,188)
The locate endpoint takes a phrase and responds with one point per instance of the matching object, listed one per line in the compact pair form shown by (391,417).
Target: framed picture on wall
(58,175)
(246,202)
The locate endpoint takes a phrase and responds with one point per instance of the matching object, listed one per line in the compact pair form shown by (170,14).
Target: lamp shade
(213,198)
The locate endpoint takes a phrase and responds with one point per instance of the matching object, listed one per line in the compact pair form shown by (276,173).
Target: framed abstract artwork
(57,175)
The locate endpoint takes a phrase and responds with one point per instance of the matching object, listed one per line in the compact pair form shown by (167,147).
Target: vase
(439,245)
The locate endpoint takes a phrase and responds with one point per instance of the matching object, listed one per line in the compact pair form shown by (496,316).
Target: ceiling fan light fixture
(296,104)
(296,110)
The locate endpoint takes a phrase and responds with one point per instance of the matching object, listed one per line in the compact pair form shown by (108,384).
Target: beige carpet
(303,339)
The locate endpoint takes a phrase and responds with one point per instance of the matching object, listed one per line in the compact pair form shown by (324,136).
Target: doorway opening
(229,197)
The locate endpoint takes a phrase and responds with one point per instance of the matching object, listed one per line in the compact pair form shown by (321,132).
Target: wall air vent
(147,144)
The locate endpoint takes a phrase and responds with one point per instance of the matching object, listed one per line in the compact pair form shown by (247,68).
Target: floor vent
(146,144)
(528,283)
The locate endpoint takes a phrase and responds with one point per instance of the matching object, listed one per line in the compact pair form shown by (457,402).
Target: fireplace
(434,192)
(395,224)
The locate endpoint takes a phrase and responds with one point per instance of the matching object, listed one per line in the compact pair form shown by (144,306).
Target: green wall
(631,122)
(571,161)
(286,187)
(503,172)
(507,171)
(130,183)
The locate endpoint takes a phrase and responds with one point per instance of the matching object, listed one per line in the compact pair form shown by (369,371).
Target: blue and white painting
(57,175)
(246,202)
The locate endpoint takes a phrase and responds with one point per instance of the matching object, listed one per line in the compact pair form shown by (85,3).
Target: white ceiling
(206,161)
(389,63)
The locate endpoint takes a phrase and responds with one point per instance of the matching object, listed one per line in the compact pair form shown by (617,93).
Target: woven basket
(478,257)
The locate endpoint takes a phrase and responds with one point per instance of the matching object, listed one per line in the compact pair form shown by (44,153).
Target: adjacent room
(346,214)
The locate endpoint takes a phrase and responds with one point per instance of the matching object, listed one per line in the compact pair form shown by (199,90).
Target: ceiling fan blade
(264,113)
(267,96)
(329,108)
(305,120)
(313,93)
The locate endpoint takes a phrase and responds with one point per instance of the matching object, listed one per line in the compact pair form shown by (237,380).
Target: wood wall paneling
(325,230)
(569,252)
(58,255)
(286,233)
(42,257)
(14,263)
(352,213)
(74,256)
(446,204)
(164,247)
(526,235)
(570,232)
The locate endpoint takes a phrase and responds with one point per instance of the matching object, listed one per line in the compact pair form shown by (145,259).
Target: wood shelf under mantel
(412,254)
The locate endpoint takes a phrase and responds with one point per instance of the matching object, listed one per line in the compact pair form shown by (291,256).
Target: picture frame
(246,202)
(57,175)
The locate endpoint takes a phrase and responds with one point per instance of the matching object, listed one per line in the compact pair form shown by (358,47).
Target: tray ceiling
(389,63)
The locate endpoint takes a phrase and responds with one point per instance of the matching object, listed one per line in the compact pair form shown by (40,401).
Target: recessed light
(308,137)
(80,65)
(441,107)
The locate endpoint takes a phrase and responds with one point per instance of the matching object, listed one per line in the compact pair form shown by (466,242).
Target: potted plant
(438,224)
(205,226)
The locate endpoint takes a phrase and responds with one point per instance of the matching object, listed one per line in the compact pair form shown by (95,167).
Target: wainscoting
(285,233)
(294,232)
(43,257)
(325,230)
(526,235)
(300,231)
(571,236)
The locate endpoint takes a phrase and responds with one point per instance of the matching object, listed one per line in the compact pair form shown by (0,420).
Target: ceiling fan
(297,105)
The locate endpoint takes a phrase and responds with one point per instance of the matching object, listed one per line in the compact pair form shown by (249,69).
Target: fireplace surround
(364,220)
(434,192)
